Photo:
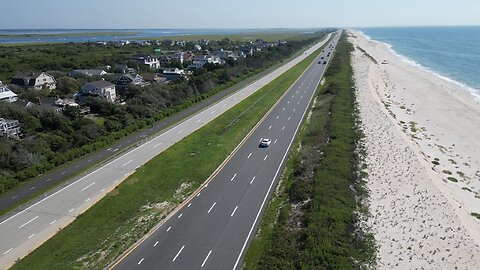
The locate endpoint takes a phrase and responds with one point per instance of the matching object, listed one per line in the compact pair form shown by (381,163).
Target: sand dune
(423,155)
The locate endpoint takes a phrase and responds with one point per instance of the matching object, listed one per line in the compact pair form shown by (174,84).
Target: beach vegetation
(447,172)
(477,215)
(453,179)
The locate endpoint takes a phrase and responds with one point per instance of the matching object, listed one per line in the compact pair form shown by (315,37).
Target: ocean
(452,53)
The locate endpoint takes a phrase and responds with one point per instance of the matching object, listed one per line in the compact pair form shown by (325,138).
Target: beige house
(34,79)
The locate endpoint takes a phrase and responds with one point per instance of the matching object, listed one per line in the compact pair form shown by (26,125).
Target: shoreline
(469,89)
(422,161)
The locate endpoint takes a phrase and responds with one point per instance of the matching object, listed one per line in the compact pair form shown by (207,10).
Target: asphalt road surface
(51,178)
(26,230)
(213,229)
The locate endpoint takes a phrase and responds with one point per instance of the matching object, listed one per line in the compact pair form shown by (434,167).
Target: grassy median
(107,229)
(314,219)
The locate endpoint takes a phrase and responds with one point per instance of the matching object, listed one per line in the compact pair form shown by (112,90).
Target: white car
(265,142)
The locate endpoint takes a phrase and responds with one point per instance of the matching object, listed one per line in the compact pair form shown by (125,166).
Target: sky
(160,14)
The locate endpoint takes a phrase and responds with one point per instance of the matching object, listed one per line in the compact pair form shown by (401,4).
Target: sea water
(450,52)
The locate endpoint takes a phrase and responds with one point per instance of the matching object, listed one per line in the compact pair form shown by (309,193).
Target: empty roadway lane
(213,228)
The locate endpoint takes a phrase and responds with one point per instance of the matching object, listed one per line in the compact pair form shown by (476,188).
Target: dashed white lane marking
(109,149)
(157,145)
(278,116)
(31,236)
(298,102)
(83,189)
(51,223)
(178,253)
(206,258)
(127,163)
(198,121)
(235,175)
(253,179)
(64,172)
(249,155)
(102,190)
(288,102)
(89,160)
(50,179)
(283,127)
(211,207)
(265,157)
(169,228)
(71,210)
(190,204)
(26,223)
(270,127)
(289,118)
(5,253)
(283,109)
(275,141)
(180,131)
(14,197)
(32,188)
(301,97)
(293,109)
(156,243)
(234,210)
(141,261)
(179,216)
(115,181)
(198,194)
(88,199)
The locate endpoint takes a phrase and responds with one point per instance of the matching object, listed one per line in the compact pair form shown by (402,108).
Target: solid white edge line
(5,253)
(275,176)
(51,223)
(31,236)
(206,258)
(178,253)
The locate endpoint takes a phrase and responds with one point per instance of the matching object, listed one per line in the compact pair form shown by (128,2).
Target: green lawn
(106,230)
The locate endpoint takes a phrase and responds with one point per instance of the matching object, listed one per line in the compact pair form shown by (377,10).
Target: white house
(100,88)
(225,54)
(150,61)
(172,74)
(6,94)
(200,60)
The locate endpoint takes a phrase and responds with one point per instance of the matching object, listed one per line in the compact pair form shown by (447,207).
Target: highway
(213,228)
(26,230)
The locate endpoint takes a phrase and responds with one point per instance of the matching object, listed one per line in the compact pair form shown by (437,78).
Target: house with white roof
(6,94)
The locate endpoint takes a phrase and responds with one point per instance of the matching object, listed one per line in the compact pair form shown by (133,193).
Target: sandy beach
(422,136)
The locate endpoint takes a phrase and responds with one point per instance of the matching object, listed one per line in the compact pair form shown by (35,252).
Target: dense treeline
(318,224)
(51,139)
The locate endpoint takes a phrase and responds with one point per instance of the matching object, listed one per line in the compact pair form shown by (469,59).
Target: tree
(67,86)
